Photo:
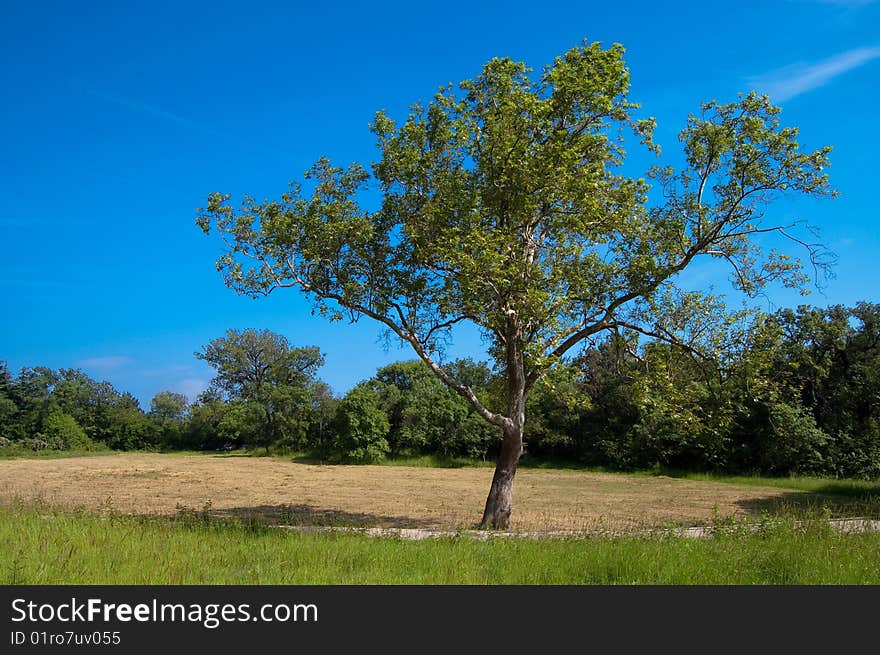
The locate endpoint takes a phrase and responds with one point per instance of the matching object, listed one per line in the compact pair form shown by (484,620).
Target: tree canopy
(504,204)
(269,382)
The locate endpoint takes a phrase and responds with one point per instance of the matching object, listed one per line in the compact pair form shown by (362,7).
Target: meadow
(48,546)
(284,490)
(155,519)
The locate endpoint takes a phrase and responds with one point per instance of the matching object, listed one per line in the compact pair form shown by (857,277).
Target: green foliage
(250,363)
(269,386)
(169,411)
(425,416)
(795,392)
(47,404)
(169,406)
(555,408)
(790,442)
(361,427)
(203,431)
(504,205)
(132,430)
(64,433)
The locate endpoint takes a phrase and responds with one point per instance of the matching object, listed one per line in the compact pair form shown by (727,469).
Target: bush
(791,441)
(62,432)
(361,428)
(35,443)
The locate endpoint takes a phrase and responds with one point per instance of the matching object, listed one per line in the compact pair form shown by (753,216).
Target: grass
(819,485)
(42,545)
(13,451)
(864,489)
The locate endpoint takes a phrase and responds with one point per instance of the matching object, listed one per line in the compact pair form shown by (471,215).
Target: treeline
(800,394)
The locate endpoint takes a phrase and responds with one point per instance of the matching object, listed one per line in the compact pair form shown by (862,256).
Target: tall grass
(834,486)
(42,545)
(14,451)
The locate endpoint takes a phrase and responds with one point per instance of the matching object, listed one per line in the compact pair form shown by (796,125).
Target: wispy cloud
(164,371)
(140,107)
(162,113)
(190,387)
(789,82)
(105,363)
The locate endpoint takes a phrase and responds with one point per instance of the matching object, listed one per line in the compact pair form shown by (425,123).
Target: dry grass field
(284,491)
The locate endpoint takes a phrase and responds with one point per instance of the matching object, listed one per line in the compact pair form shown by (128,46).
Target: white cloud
(789,82)
(165,371)
(111,362)
(190,387)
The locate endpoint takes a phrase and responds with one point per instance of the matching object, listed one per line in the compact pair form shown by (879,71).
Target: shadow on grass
(313,516)
(835,505)
(850,489)
(425,461)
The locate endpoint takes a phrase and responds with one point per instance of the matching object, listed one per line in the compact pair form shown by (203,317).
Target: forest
(796,391)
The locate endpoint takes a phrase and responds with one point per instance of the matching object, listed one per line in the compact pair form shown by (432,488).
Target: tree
(169,406)
(503,204)
(64,433)
(203,430)
(169,411)
(425,416)
(818,370)
(268,379)
(361,427)
(323,406)
(8,408)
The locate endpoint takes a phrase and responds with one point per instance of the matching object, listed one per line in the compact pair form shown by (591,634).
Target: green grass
(866,489)
(17,452)
(42,545)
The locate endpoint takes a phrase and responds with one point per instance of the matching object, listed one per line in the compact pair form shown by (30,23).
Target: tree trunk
(498,504)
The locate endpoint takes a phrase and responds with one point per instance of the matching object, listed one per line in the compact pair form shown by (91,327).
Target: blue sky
(120,118)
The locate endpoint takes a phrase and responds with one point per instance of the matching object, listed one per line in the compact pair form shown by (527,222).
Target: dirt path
(375,496)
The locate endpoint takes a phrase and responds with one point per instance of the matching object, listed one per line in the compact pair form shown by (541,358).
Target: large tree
(268,381)
(504,204)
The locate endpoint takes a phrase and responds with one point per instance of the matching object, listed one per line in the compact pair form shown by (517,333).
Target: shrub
(361,428)
(791,442)
(62,432)
(35,443)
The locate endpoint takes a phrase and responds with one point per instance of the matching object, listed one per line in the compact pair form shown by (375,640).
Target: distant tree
(323,412)
(426,417)
(62,432)
(555,407)
(816,370)
(169,405)
(361,427)
(131,429)
(32,394)
(203,431)
(270,381)
(606,375)
(169,411)
(8,408)
(504,205)
(96,406)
